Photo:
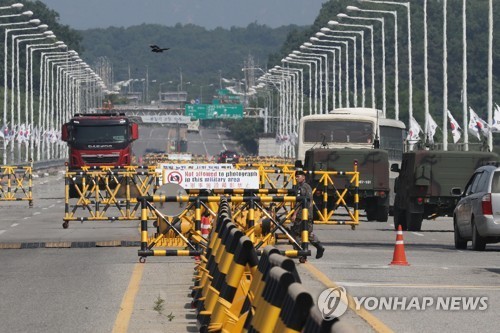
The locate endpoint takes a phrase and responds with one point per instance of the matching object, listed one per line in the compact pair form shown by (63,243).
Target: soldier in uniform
(304,189)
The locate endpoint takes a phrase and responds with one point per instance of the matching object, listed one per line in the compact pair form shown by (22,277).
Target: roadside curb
(67,245)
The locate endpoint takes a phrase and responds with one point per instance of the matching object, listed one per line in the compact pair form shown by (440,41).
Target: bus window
(338,131)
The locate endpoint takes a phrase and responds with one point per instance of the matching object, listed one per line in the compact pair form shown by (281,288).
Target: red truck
(100,139)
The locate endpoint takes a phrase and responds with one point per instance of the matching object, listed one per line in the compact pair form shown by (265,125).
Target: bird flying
(157,49)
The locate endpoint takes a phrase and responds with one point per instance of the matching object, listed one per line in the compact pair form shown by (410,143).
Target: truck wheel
(371,214)
(399,219)
(371,209)
(382,214)
(460,243)
(478,242)
(414,221)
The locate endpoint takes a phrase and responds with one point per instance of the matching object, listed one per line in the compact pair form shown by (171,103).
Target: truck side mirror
(64,133)
(456,192)
(395,167)
(135,131)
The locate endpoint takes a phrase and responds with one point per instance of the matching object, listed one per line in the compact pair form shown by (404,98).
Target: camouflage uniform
(304,189)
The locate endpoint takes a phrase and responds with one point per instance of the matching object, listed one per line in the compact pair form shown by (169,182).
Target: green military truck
(373,167)
(426,177)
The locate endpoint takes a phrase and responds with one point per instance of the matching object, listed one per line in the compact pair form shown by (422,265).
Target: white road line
(51,205)
(418,234)
(37,213)
(27,217)
(205,147)
(2,231)
(14,224)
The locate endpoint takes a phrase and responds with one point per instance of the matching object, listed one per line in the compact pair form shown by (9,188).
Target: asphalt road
(86,288)
(208,142)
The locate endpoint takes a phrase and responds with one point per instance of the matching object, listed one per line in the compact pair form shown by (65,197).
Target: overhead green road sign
(214,111)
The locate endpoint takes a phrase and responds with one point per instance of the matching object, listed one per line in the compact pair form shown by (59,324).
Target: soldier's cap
(300,173)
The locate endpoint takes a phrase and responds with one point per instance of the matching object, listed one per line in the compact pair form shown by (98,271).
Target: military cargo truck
(373,166)
(426,177)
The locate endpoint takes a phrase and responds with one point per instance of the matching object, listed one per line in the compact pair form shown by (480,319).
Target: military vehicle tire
(399,219)
(382,213)
(414,221)
(371,214)
(460,243)
(478,242)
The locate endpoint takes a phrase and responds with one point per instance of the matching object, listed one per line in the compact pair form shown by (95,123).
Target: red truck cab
(100,139)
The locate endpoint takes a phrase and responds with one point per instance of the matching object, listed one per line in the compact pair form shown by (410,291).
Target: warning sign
(205,166)
(174,177)
(213,179)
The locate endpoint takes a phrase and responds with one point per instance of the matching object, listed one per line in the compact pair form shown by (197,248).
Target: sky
(85,14)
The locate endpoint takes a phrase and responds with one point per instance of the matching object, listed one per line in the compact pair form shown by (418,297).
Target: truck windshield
(100,134)
(338,131)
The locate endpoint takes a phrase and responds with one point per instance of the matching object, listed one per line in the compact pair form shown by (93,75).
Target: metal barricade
(186,233)
(16,183)
(107,193)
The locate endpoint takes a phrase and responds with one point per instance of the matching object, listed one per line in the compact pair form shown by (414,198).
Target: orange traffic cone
(399,257)
(205,226)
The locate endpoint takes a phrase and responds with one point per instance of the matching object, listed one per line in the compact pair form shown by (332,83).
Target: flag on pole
(431,128)
(3,131)
(495,127)
(414,131)
(477,126)
(455,128)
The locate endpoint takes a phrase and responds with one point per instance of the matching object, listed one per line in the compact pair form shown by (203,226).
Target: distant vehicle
(194,126)
(426,178)
(228,156)
(476,217)
(154,151)
(100,139)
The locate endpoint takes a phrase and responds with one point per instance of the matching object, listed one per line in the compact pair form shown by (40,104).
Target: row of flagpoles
(477,127)
(23,133)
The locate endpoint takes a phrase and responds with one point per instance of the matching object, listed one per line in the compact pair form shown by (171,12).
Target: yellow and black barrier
(328,197)
(192,238)
(272,175)
(16,183)
(107,193)
(234,292)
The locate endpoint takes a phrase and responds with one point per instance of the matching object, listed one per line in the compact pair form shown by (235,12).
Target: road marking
(51,206)
(2,231)
(26,217)
(373,321)
(205,147)
(14,224)
(414,286)
(127,306)
(37,213)
(418,234)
